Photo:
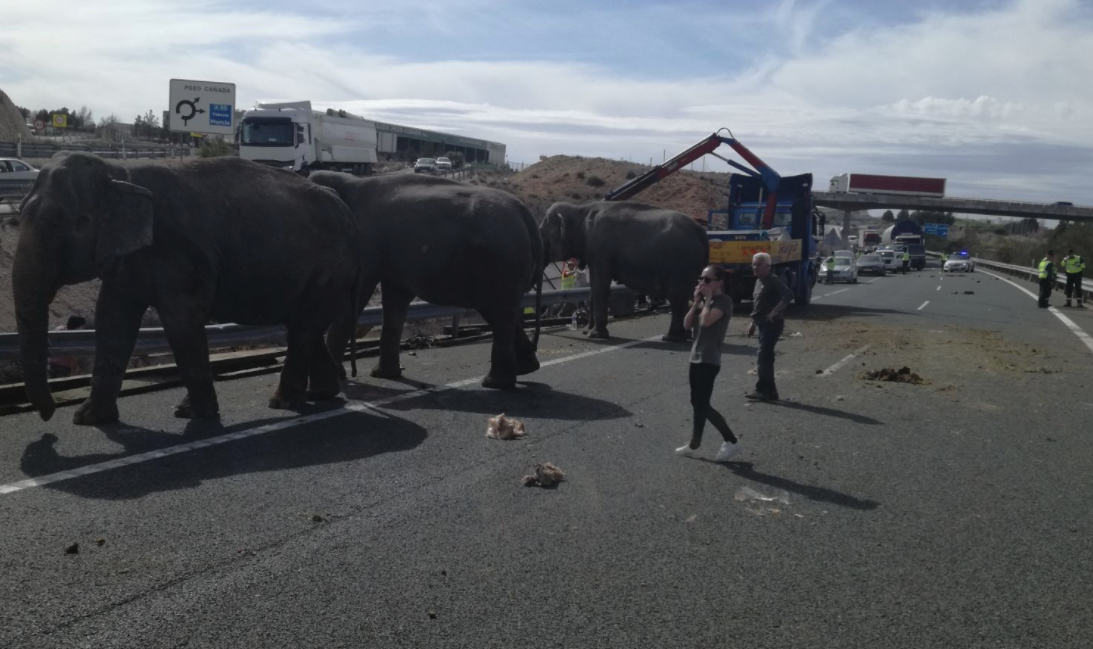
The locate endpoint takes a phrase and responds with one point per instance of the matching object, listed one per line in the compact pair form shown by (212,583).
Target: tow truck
(765,212)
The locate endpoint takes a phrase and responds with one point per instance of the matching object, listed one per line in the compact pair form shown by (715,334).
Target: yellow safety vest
(829,264)
(1043,268)
(906,256)
(1074,265)
(569,280)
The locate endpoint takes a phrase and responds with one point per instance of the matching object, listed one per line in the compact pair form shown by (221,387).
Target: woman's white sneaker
(687,451)
(728,450)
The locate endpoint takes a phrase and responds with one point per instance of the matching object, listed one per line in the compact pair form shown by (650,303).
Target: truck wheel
(804,296)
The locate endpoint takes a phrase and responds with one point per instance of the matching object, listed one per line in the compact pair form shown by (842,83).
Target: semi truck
(899,185)
(765,212)
(293,136)
(907,234)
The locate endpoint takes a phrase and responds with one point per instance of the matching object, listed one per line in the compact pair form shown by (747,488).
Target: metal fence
(153,340)
(35,150)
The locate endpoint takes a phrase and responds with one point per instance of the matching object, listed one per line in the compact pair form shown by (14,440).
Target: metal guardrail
(153,340)
(1033,274)
(14,189)
(35,150)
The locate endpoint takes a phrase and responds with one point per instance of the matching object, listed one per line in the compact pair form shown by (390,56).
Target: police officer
(1047,278)
(569,275)
(829,265)
(1073,265)
(906,261)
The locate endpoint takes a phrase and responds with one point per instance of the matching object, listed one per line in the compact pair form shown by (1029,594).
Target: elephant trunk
(33,294)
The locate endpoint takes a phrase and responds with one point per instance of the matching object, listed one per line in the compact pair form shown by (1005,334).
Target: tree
(888,217)
(903,215)
(25,112)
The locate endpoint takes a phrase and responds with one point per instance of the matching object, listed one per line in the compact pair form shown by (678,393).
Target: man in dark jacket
(770,299)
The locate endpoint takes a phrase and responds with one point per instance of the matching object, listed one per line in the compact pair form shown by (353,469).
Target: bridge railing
(153,340)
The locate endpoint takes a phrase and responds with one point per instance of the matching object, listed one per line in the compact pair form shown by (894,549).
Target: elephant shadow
(348,437)
(530,399)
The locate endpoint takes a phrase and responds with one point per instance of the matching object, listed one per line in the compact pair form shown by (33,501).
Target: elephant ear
(128,225)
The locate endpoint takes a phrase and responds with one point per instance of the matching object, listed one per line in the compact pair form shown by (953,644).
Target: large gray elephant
(654,251)
(447,243)
(222,239)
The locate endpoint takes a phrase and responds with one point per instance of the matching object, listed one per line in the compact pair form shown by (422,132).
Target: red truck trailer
(874,184)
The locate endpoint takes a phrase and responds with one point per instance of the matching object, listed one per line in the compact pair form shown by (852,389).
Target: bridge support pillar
(846,227)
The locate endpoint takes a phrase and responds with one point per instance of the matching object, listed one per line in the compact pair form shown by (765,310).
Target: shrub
(214,148)
(630,175)
(595,181)
(580,174)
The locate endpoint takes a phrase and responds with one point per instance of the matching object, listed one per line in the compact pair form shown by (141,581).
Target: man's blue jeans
(769,333)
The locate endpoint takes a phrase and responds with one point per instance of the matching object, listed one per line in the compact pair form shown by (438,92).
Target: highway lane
(948,514)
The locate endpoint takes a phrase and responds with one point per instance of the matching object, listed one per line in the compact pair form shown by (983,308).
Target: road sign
(59,120)
(39,124)
(936,229)
(202,107)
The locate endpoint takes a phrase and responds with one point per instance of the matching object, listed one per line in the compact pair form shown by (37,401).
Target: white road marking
(834,368)
(1070,324)
(835,292)
(923,305)
(939,288)
(351,406)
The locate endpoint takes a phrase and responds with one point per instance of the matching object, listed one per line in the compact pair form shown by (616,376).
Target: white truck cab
(295,137)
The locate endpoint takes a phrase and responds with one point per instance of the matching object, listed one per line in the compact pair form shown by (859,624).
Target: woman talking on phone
(708,319)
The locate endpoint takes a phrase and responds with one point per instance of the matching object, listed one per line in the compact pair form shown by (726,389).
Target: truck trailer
(295,137)
(899,185)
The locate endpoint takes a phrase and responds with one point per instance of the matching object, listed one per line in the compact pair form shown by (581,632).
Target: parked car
(1063,204)
(891,262)
(871,265)
(16,169)
(845,269)
(425,166)
(443,164)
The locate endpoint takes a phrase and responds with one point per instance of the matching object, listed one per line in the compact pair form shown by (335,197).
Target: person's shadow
(345,437)
(747,471)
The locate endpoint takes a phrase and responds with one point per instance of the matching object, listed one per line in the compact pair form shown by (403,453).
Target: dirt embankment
(578,180)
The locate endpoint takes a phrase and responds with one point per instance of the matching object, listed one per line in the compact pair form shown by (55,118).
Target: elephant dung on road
(651,250)
(450,244)
(222,239)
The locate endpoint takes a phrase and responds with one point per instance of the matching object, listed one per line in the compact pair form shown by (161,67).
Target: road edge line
(1070,324)
(837,366)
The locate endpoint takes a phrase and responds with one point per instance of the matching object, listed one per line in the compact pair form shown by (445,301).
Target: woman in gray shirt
(709,319)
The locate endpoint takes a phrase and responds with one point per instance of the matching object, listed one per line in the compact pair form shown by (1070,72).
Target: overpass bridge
(852,202)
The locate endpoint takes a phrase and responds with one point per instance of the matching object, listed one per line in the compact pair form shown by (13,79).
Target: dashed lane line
(1070,324)
(939,288)
(835,368)
(352,406)
(923,306)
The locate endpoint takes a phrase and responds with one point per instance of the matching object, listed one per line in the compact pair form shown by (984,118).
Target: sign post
(202,107)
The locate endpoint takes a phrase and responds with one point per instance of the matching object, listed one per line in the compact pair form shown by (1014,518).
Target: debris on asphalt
(546,475)
(420,341)
(840,398)
(796,334)
(891,375)
(969,292)
(819,371)
(100,542)
(691,518)
(316,518)
(432,614)
(502,427)
(747,493)
(73,549)
(638,424)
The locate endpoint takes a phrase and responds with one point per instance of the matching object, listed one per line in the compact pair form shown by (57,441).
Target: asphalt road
(951,514)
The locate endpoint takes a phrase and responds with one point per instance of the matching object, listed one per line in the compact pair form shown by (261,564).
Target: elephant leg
(323,373)
(291,391)
(117,321)
(396,302)
(345,324)
(502,374)
(186,334)
(526,362)
(676,332)
(601,292)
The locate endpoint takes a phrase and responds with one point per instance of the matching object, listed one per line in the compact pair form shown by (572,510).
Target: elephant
(651,250)
(222,239)
(450,244)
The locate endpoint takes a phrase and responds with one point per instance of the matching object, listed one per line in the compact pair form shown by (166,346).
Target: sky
(994,95)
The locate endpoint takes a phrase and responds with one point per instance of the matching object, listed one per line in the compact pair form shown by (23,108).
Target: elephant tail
(538,311)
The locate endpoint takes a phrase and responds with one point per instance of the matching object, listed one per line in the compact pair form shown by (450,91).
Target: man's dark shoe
(756,396)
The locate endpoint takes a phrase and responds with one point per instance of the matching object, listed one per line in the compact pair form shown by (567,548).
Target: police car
(960,262)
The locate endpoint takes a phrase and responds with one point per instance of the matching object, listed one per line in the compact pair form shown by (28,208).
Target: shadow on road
(827,412)
(747,471)
(531,399)
(348,437)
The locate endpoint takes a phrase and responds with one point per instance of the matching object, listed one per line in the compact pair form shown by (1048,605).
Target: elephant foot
(282,402)
(342,374)
(187,410)
(323,395)
(599,333)
(386,372)
(90,414)
(675,338)
(527,365)
(499,383)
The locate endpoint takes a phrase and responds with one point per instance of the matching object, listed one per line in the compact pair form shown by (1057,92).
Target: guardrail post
(19,146)
(455,326)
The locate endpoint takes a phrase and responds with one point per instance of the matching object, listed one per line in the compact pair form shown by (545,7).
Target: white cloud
(903,98)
